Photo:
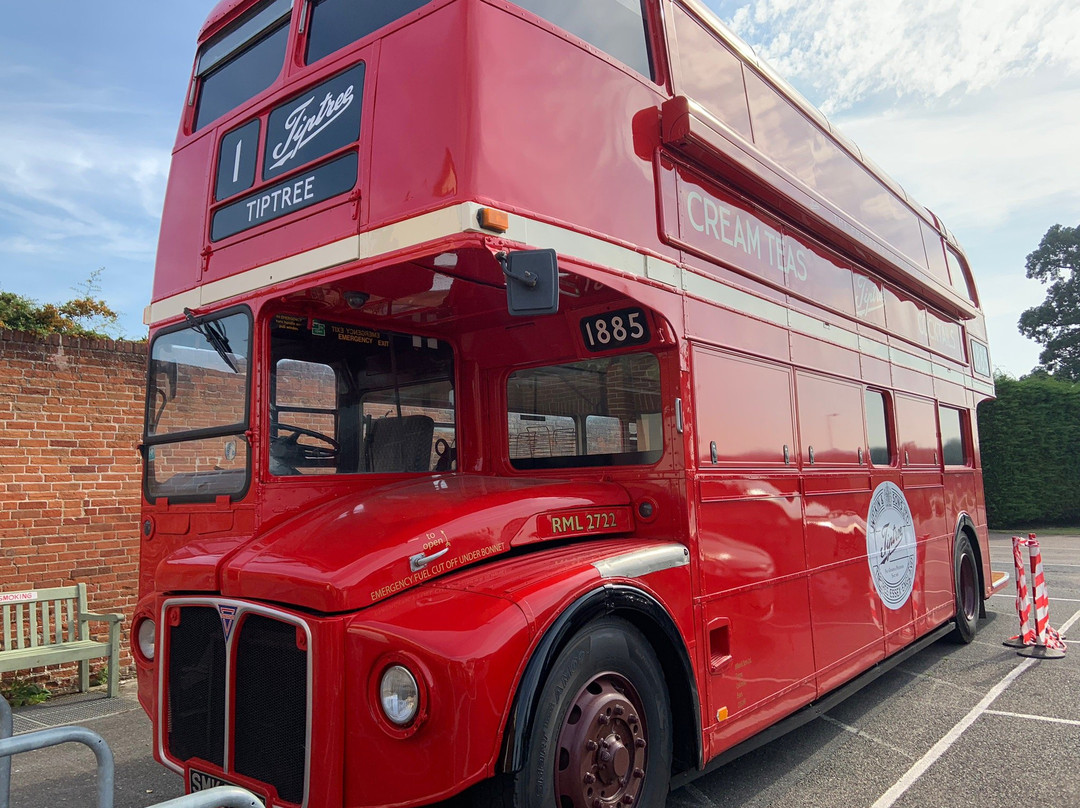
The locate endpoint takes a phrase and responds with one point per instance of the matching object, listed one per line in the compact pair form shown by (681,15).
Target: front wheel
(968,596)
(602,733)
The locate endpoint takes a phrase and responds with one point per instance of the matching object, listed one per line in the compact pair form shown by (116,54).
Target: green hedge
(1030,439)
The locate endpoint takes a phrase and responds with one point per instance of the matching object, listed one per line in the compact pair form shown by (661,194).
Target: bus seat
(400,444)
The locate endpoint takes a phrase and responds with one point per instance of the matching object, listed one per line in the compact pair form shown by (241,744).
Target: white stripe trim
(948,374)
(659,270)
(583,247)
(906,360)
(822,330)
(462,218)
(873,348)
(382,240)
(734,299)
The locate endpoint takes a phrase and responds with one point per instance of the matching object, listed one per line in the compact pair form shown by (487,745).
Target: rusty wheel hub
(603,750)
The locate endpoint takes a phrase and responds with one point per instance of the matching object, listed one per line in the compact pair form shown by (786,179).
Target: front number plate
(202,781)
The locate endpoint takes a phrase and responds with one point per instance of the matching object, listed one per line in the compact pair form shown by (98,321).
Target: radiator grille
(269,695)
(271,706)
(196,721)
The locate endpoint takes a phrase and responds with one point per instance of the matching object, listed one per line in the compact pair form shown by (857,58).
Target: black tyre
(602,732)
(968,593)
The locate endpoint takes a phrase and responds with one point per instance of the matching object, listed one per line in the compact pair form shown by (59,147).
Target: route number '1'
(615,329)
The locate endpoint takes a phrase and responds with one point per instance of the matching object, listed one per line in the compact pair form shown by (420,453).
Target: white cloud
(65,181)
(986,158)
(972,105)
(845,51)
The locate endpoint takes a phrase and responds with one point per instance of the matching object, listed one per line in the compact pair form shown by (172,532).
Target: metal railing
(10,744)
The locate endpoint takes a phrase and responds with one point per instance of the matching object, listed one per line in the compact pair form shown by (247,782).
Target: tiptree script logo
(890,545)
(228,619)
(308,120)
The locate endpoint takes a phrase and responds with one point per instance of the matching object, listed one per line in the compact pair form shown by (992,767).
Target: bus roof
(221,11)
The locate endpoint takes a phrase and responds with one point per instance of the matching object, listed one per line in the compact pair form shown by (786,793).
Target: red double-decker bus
(543,398)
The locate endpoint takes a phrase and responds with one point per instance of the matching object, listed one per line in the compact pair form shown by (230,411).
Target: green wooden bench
(51,626)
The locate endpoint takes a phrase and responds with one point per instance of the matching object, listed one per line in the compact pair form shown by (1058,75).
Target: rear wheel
(968,594)
(602,733)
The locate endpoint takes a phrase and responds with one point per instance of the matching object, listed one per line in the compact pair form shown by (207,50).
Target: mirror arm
(524,277)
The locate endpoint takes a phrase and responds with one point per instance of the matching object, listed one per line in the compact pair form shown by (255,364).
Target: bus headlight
(146,637)
(399,695)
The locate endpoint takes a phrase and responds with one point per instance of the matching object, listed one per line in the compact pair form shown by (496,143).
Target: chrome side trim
(637,563)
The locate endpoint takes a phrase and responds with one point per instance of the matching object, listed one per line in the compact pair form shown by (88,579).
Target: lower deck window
(600,412)
(346,399)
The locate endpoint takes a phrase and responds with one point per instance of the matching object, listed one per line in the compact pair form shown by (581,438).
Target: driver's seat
(400,444)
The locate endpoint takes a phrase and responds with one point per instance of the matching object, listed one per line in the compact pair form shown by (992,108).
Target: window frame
(654,40)
(361,396)
(238,429)
(251,29)
(962,421)
(890,420)
(307,18)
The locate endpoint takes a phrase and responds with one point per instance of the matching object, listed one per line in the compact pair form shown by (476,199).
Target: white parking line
(1052,598)
(889,798)
(867,736)
(1035,717)
(699,795)
(944,682)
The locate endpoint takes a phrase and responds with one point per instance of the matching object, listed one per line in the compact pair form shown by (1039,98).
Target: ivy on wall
(1030,439)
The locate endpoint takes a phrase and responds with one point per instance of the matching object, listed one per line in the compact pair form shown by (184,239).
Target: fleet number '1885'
(615,329)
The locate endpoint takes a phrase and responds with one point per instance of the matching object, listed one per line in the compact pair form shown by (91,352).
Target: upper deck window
(242,61)
(961,279)
(337,23)
(617,27)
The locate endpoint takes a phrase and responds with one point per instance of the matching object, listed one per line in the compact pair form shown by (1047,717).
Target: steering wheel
(291,452)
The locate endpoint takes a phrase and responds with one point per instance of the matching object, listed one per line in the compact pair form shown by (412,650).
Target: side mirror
(532,282)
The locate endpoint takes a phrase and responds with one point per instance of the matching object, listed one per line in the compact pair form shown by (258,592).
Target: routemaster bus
(545,403)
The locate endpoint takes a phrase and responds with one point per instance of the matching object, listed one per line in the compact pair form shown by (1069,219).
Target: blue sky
(972,105)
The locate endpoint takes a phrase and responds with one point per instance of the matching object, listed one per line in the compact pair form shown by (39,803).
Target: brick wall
(70,420)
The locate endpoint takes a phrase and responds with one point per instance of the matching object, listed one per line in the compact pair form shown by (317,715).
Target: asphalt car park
(952,725)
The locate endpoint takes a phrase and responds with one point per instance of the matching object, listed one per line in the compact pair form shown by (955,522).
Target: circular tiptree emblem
(890,545)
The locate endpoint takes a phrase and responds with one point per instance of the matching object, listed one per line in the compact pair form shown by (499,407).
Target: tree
(1055,324)
(83,316)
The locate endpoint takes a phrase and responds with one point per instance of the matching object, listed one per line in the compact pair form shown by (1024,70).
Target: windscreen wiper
(213,333)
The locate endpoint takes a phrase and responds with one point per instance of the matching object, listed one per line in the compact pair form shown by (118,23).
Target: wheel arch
(965,525)
(649,617)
